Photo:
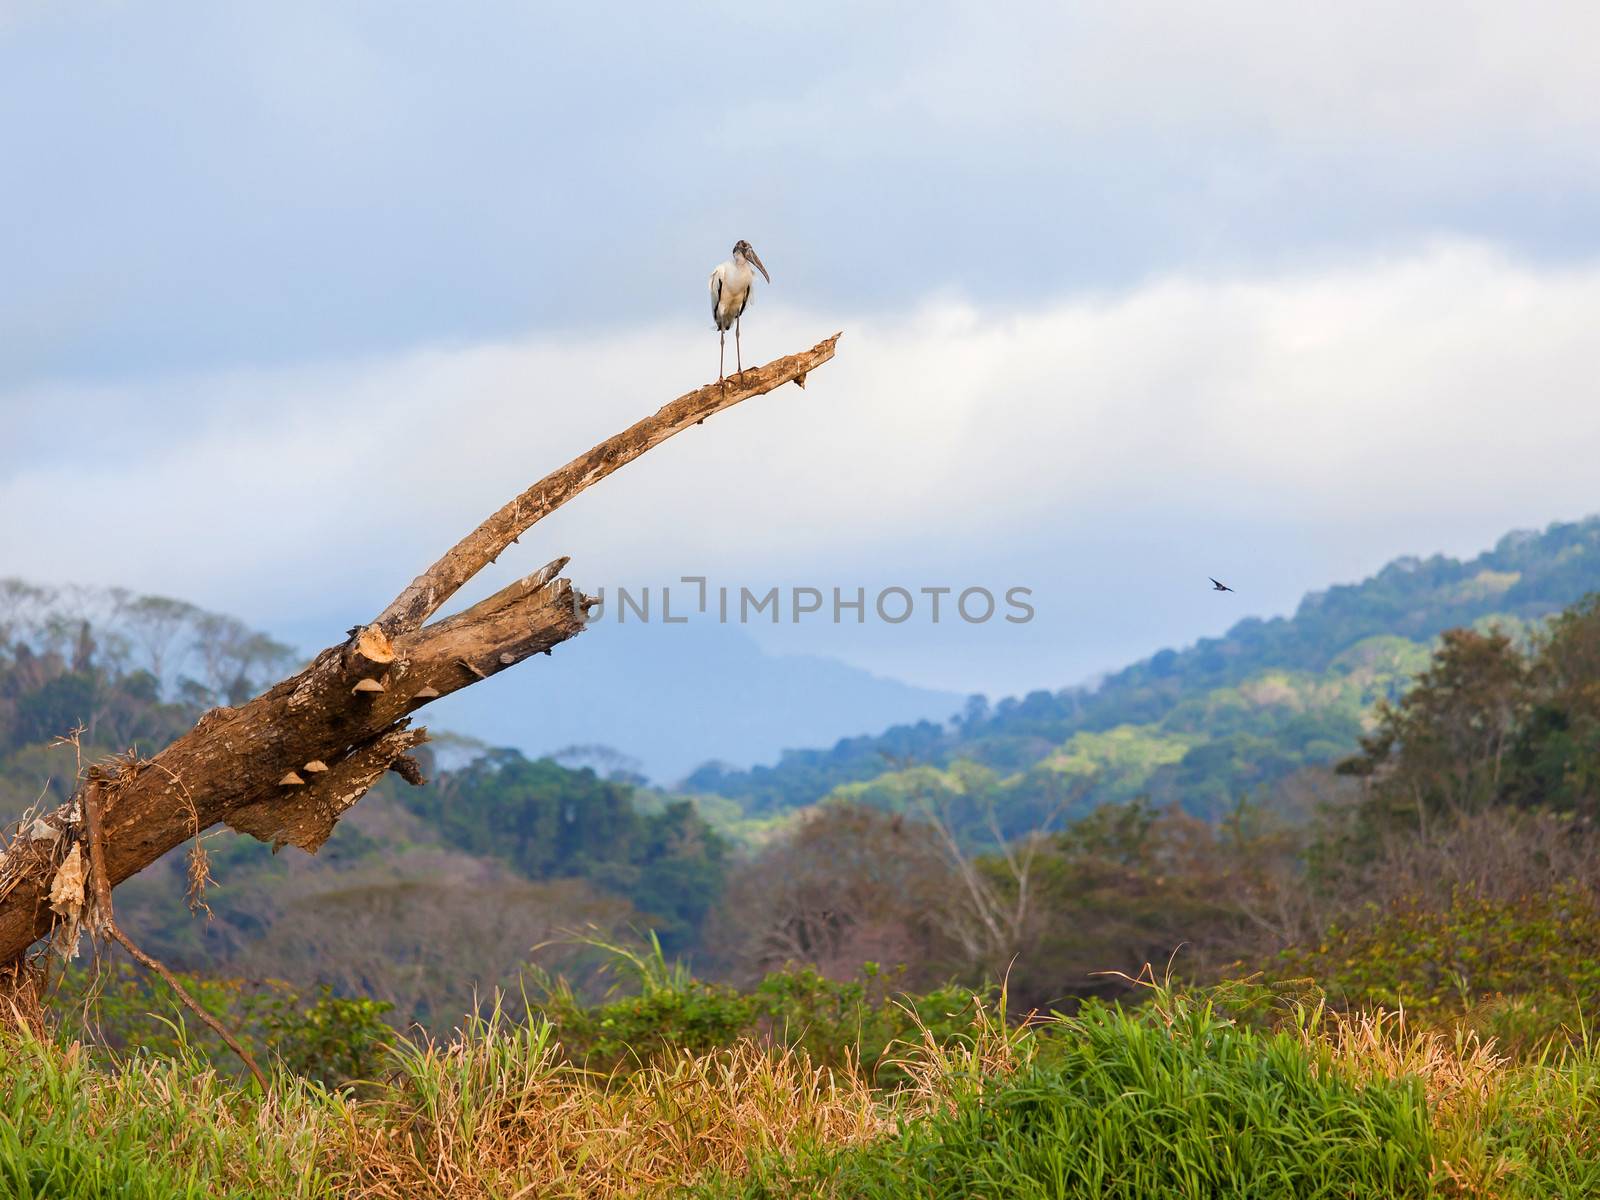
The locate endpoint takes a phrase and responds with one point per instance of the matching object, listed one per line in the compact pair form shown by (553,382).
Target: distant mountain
(671,697)
(1204,725)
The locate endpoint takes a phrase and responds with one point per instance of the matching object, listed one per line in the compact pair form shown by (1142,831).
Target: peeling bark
(256,767)
(309,820)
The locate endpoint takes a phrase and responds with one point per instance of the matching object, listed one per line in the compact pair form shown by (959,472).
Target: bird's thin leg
(722,352)
(738,354)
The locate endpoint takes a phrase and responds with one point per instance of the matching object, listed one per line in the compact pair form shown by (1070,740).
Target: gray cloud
(277,183)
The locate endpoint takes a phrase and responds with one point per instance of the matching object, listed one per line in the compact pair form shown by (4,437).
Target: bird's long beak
(753,257)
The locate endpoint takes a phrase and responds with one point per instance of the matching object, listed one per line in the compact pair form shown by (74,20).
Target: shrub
(1447,960)
(329,1039)
(334,1040)
(836,1023)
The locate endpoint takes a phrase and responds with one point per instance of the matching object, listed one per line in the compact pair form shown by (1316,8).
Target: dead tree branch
(284,766)
(485,543)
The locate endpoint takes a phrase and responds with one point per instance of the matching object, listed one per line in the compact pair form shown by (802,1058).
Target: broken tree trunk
(285,766)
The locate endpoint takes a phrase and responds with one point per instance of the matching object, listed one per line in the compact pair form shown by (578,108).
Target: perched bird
(1219,587)
(730,292)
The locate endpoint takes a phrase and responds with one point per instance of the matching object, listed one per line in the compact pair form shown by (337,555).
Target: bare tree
(992,925)
(155,624)
(846,885)
(429,947)
(22,607)
(232,654)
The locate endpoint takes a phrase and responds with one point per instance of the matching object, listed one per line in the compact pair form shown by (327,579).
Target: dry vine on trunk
(287,764)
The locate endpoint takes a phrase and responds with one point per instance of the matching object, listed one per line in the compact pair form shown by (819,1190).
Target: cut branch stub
(371,645)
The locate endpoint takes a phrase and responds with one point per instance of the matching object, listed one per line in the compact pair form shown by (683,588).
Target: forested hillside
(426,893)
(1202,726)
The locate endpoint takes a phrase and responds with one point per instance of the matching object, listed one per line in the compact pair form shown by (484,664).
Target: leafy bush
(862,1020)
(334,1040)
(850,1023)
(331,1040)
(1430,960)
(685,1015)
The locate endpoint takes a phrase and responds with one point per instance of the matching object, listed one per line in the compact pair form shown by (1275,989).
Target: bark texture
(286,765)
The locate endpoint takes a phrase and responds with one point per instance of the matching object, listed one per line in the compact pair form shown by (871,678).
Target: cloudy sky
(1133,294)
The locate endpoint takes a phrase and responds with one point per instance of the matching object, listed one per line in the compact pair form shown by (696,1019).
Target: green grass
(1119,1105)
(159,1129)
(1541,1130)
(1195,1095)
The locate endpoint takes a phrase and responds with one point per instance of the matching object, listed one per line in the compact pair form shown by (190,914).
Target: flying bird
(1219,587)
(730,292)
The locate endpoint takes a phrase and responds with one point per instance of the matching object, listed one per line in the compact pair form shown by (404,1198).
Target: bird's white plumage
(731,284)
(730,291)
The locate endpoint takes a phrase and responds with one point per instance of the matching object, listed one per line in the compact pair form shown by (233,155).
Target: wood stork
(730,292)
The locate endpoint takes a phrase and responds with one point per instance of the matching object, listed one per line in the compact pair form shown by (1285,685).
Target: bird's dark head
(743,249)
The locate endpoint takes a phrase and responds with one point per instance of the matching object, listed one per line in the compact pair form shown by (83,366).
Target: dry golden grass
(939,1074)
(495,1113)
(1458,1074)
